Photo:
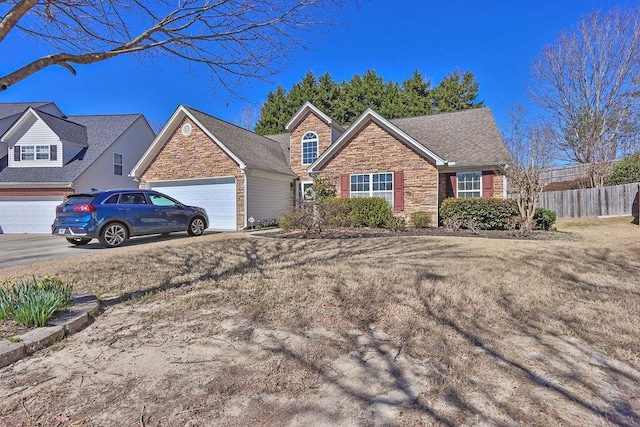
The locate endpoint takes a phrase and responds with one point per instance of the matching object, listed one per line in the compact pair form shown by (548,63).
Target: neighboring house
(414,163)
(45,156)
(233,173)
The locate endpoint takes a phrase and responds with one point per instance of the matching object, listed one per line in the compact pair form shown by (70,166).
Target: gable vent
(186,129)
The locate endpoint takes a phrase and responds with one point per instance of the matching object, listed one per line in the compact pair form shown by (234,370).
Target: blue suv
(113,216)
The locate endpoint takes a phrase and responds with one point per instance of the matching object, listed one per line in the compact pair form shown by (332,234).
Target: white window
(373,185)
(309,148)
(33,152)
(469,184)
(117,164)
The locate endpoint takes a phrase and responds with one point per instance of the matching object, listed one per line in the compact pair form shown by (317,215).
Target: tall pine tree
(346,101)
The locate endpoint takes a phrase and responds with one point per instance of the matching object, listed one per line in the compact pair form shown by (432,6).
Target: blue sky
(496,40)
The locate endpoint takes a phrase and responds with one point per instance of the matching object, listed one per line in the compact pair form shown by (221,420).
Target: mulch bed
(352,233)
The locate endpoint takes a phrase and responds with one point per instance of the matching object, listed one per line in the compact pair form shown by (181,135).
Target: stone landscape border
(78,316)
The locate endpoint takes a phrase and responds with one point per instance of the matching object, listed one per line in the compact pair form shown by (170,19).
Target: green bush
(299,220)
(421,219)
(478,213)
(32,302)
(370,212)
(626,171)
(544,218)
(396,223)
(335,212)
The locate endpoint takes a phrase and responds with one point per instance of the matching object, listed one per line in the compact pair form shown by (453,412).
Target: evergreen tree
(346,101)
(415,96)
(456,92)
(273,114)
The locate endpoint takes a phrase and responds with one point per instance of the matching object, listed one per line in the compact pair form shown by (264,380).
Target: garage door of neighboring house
(216,195)
(27,215)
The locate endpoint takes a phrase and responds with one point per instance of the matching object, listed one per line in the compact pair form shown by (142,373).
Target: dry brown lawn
(238,330)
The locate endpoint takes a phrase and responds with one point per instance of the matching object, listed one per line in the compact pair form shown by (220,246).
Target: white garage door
(26,215)
(216,195)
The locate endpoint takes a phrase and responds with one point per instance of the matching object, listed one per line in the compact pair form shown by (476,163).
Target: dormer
(311,133)
(39,139)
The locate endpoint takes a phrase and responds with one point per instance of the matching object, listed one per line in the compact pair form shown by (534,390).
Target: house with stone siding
(46,155)
(237,175)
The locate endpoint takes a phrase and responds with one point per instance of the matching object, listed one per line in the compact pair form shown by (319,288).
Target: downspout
(244,188)
(437,197)
(504,182)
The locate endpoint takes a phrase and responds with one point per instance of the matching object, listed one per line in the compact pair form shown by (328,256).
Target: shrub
(421,219)
(396,223)
(32,302)
(544,218)
(369,212)
(299,220)
(335,212)
(478,213)
(626,171)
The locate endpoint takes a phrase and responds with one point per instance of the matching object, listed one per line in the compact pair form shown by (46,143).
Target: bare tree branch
(231,38)
(588,84)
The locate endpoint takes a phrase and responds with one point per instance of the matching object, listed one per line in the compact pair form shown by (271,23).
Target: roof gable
(247,149)
(64,129)
(307,108)
(360,123)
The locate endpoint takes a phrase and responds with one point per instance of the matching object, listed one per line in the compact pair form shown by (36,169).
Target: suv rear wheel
(113,234)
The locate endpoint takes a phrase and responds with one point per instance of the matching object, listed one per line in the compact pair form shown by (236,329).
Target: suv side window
(112,200)
(157,200)
(133,199)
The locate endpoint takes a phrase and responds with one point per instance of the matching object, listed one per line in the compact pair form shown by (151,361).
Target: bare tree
(530,150)
(248,117)
(588,83)
(232,38)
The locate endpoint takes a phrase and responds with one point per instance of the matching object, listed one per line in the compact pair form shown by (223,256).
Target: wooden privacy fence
(593,202)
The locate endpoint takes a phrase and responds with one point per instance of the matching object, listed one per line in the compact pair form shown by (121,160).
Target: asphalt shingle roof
(101,132)
(469,137)
(284,139)
(65,129)
(256,151)
(12,108)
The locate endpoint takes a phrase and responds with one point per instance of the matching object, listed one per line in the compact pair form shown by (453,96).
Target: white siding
(269,195)
(34,132)
(131,144)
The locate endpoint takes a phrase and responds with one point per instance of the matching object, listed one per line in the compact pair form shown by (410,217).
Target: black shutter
(16,153)
(53,152)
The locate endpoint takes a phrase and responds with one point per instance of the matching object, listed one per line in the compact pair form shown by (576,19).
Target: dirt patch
(10,328)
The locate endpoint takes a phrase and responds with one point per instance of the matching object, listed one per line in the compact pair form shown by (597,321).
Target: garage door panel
(217,196)
(27,216)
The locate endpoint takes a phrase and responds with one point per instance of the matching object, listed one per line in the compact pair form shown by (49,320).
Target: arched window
(309,148)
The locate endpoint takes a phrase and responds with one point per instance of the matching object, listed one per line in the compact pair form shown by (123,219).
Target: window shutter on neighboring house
(398,191)
(16,153)
(53,152)
(452,186)
(345,186)
(487,184)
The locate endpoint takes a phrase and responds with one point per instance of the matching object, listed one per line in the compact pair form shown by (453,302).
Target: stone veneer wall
(311,123)
(374,150)
(195,156)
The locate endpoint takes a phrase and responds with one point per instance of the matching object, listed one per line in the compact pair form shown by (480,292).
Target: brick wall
(311,123)
(195,156)
(374,150)
(24,192)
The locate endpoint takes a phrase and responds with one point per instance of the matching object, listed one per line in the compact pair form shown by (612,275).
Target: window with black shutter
(53,152)
(16,153)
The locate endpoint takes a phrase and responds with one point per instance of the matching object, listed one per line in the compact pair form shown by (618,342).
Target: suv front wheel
(113,234)
(196,226)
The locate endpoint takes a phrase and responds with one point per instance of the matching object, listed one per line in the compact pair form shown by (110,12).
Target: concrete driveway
(24,249)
